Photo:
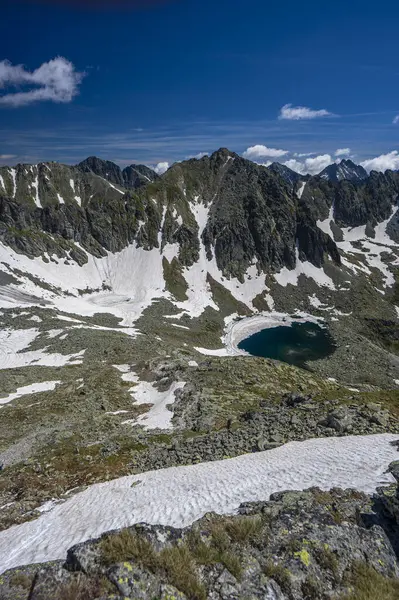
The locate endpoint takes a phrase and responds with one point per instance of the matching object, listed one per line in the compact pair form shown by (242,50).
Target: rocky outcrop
(298,545)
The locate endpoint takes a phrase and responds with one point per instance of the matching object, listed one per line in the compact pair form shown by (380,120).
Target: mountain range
(217,233)
(253,215)
(124,297)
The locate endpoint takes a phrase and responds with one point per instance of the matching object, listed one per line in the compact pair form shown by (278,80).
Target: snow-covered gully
(180,495)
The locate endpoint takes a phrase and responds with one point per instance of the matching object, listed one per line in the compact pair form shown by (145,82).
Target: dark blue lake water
(296,345)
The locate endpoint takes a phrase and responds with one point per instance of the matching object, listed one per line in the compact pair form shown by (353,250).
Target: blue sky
(182,77)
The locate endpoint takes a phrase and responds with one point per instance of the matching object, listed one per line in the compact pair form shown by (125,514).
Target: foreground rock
(298,546)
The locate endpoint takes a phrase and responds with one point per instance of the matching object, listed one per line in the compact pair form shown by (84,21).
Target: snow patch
(35,185)
(371,250)
(159,416)
(287,276)
(13,174)
(13,354)
(300,189)
(210,352)
(326,224)
(35,318)
(180,495)
(33,388)
(134,276)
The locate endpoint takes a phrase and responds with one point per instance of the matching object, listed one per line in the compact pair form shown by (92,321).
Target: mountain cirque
(118,290)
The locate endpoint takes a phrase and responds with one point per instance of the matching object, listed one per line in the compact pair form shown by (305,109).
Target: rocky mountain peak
(135,176)
(223,155)
(345,170)
(103,168)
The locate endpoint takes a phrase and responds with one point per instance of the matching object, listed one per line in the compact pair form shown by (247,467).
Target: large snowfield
(178,496)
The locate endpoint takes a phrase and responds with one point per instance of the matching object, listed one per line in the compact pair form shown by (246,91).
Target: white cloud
(7,156)
(57,81)
(311,166)
(382,162)
(318,163)
(303,154)
(298,113)
(161,167)
(295,165)
(260,151)
(396,120)
(343,152)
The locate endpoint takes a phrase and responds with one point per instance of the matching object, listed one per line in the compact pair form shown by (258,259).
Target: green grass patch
(367,584)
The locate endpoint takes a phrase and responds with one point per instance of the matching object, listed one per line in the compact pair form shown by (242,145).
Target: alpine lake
(297,344)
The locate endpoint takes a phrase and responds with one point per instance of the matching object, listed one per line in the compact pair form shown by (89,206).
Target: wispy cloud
(260,151)
(7,156)
(343,152)
(300,113)
(55,81)
(396,120)
(197,156)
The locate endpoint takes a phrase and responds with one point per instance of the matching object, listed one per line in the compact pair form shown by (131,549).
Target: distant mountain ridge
(344,170)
